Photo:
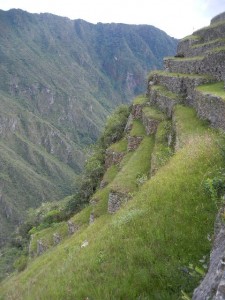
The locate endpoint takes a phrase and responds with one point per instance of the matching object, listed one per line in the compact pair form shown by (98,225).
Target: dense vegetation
(59,80)
(156,246)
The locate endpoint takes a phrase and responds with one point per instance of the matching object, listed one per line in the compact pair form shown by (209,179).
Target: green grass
(140,100)
(46,235)
(110,173)
(140,252)
(162,152)
(208,43)
(165,92)
(138,164)
(191,37)
(120,146)
(102,197)
(216,89)
(177,75)
(153,113)
(137,128)
(187,125)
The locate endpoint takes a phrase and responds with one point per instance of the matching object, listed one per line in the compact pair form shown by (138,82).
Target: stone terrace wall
(211,33)
(210,107)
(184,47)
(113,157)
(212,64)
(199,49)
(116,199)
(213,284)
(183,85)
(164,103)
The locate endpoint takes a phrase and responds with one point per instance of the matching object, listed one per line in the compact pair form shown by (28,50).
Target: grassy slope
(139,252)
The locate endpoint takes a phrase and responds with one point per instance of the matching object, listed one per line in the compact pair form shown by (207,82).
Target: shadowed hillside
(59,79)
(149,225)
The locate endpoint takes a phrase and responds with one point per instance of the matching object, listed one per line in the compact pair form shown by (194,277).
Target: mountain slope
(148,230)
(59,79)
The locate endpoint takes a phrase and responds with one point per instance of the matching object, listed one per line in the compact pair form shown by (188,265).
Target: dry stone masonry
(200,60)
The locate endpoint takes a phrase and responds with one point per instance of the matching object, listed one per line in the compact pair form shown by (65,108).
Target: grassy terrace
(208,43)
(195,58)
(191,37)
(138,164)
(120,146)
(216,89)
(141,251)
(162,152)
(165,92)
(170,74)
(142,99)
(137,128)
(153,113)
(186,130)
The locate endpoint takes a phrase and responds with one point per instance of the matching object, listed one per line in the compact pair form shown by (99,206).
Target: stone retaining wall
(211,108)
(212,64)
(133,142)
(116,199)
(180,84)
(136,111)
(184,47)
(213,284)
(164,103)
(211,33)
(150,124)
(200,49)
(113,157)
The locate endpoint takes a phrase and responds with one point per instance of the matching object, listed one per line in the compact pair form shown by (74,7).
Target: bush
(21,263)
(115,125)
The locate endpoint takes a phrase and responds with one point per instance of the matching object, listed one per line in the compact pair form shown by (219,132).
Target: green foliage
(138,128)
(21,263)
(215,186)
(59,79)
(137,164)
(130,249)
(216,89)
(142,99)
(114,128)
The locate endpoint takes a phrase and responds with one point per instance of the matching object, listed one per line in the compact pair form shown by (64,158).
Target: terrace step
(212,32)
(164,99)
(182,84)
(203,48)
(210,104)
(213,63)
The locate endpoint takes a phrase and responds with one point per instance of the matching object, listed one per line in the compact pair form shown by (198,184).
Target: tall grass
(144,250)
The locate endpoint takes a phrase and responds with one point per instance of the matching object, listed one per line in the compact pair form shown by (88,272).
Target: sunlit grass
(216,89)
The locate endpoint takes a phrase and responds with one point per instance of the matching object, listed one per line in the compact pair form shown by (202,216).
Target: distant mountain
(59,79)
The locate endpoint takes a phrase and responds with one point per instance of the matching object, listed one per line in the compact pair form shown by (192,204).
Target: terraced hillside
(59,79)
(148,230)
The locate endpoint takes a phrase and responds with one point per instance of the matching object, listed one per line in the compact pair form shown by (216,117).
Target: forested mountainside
(148,229)
(59,79)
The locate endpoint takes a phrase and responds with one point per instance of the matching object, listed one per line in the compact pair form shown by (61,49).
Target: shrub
(115,125)
(21,263)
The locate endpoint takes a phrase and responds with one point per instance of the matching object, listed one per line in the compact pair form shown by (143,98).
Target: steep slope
(59,79)
(148,229)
